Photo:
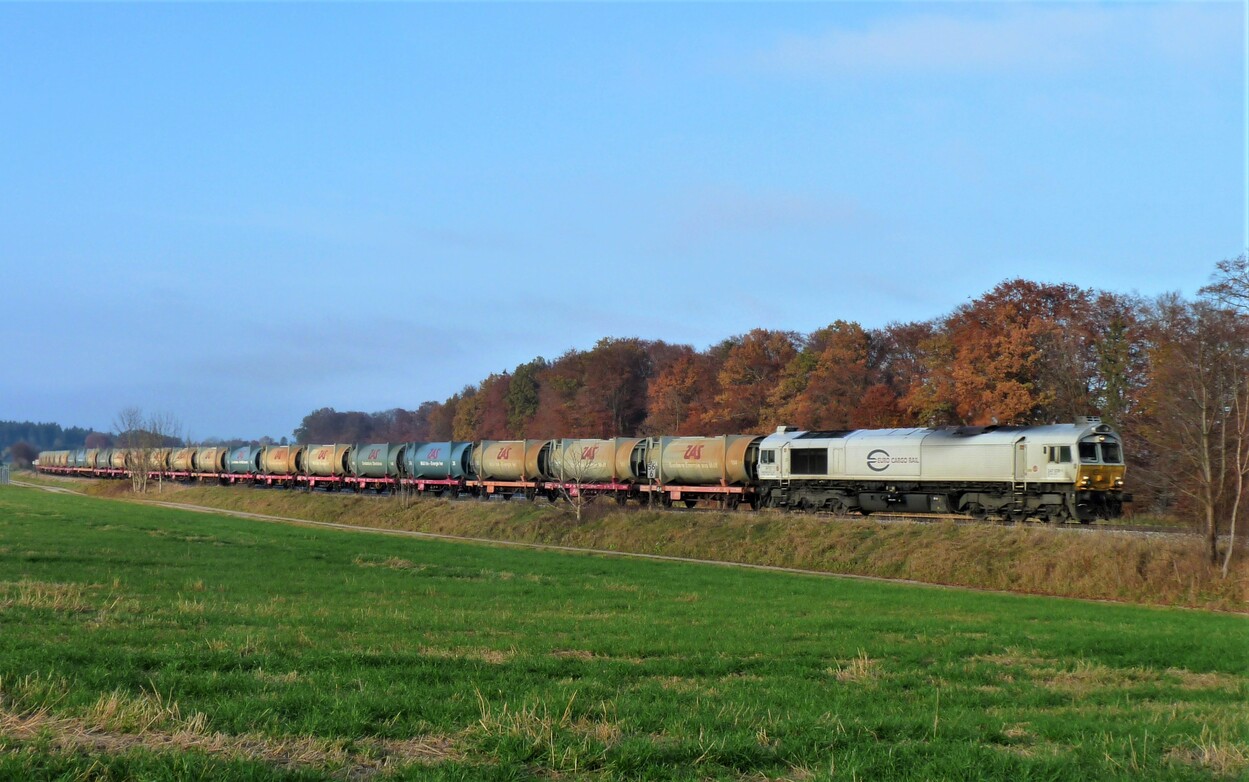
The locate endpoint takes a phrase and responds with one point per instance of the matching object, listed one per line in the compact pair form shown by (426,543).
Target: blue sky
(239,213)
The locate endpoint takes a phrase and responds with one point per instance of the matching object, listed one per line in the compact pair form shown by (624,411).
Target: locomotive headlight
(1118,482)
(1086,480)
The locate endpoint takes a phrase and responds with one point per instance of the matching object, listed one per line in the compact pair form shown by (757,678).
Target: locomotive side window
(1111,454)
(808,461)
(1088,452)
(1060,454)
(767,457)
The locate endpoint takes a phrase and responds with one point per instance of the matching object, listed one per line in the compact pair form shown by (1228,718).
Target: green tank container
(378,460)
(438,460)
(244,460)
(327,460)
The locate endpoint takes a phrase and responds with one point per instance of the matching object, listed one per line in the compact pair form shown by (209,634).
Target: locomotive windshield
(1110,453)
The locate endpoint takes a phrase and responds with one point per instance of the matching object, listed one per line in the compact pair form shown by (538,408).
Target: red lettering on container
(433,453)
(694,452)
(373,453)
(504,452)
(588,452)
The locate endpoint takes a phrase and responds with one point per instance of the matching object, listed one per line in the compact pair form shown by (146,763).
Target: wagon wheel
(690,503)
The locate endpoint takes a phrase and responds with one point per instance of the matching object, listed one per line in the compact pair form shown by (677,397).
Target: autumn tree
(140,434)
(1230,288)
(522,396)
(679,397)
(556,415)
(492,413)
(611,400)
(1200,364)
(23,453)
(98,440)
(1022,353)
(750,373)
(467,414)
(824,385)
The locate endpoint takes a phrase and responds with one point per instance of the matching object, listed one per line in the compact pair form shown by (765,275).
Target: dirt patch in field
(365,758)
(478,653)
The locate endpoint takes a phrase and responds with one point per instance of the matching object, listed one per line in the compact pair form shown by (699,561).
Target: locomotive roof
(980,434)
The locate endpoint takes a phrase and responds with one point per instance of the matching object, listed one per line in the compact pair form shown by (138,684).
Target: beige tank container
(159,459)
(700,461)
(282,460)
(599,461)
(512,460)
(326,460)
(118,460)
(210,459)
(92,454)
(182,460)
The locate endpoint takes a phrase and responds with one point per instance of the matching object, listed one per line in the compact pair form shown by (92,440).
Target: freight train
(1060,472)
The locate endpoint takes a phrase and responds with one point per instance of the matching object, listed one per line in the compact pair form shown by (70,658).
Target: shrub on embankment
(1161,569)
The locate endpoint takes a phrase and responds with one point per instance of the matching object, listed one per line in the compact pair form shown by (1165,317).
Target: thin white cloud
(993,39)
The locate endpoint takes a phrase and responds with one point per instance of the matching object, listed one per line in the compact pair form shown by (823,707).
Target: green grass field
(138,642)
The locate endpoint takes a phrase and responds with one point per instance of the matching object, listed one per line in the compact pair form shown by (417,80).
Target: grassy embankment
(143,642)
(1160,570)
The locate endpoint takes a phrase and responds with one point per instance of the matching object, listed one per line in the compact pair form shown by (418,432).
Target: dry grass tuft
(393,563)
(480,653)
(1222,756)
(856,669)
(118,723)
(564,743)
(121,712)
(1190,680)
(48,596)
(573,654)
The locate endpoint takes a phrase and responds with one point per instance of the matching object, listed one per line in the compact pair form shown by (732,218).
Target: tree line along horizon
(1025,352)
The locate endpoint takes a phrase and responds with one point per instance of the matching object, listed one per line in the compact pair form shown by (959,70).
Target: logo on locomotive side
(693,452)
(879,460)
